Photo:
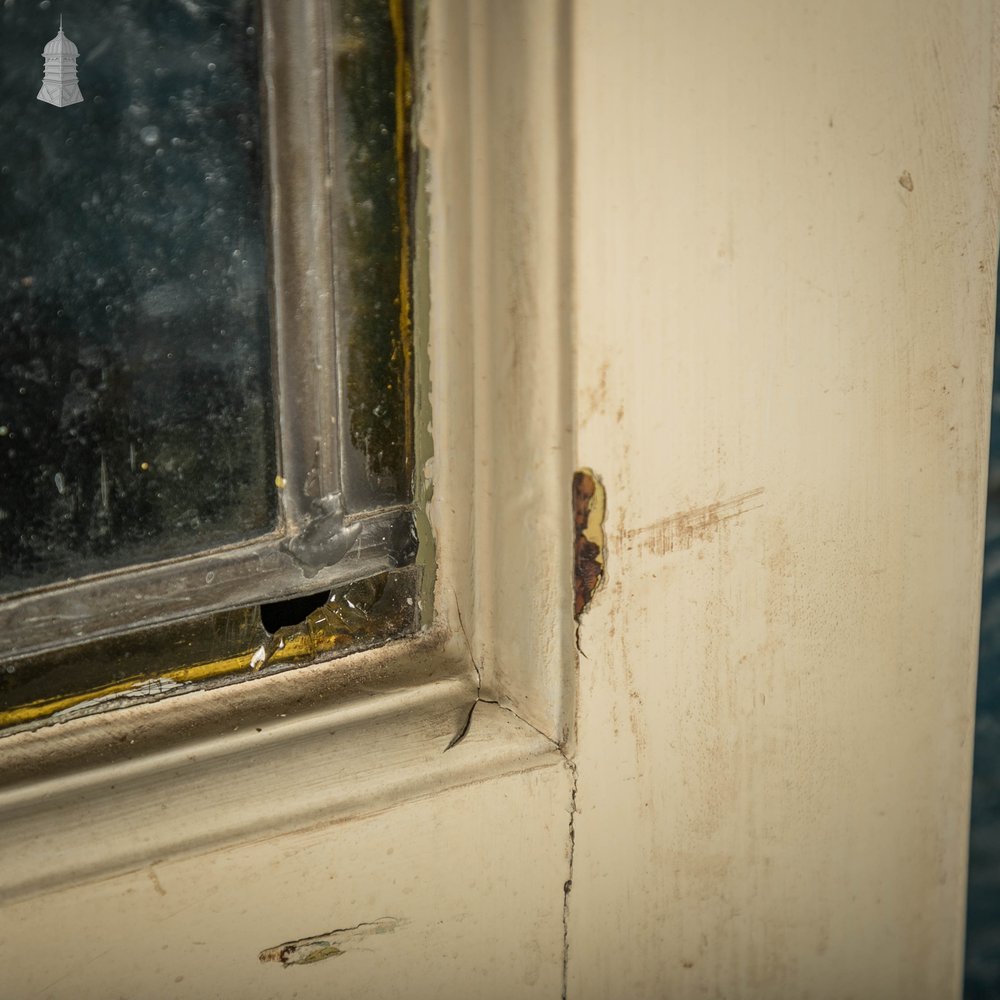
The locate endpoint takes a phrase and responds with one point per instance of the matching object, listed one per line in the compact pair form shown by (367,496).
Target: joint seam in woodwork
(570,764)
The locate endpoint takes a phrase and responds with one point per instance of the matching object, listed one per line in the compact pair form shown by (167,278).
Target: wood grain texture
(783,363)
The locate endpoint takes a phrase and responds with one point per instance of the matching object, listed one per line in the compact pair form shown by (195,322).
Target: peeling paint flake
(588,540)
(306,951)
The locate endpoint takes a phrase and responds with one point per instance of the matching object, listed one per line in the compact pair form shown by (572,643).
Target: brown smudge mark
(905,180)
(156,882)
(588,537)
(306,951)
(681,531)
(595,399)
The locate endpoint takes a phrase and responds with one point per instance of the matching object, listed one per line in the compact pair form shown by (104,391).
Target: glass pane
(135,388)
(371,86)
(982,938)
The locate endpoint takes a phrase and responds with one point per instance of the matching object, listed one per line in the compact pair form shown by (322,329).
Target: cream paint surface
(472,877)
(783,365)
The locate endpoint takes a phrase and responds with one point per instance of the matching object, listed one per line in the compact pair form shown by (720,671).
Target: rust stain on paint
(588,537)
(306,951)
(681,531)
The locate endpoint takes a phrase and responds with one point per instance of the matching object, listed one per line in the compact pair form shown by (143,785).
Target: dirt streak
(681,531)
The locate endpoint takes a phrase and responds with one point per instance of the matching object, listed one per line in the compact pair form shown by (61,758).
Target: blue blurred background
(982,954)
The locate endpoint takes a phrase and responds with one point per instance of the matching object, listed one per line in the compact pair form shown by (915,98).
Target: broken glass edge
(32,623)
(345,624)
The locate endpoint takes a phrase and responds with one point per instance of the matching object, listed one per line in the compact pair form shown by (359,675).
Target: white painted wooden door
(738,259)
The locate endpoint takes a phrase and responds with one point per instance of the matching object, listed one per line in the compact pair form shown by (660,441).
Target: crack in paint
(568,884)
(571,833)
(589,505)
(461,734)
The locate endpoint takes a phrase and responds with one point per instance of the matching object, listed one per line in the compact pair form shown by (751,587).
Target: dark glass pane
(372,269)
(135,388)
(982,938)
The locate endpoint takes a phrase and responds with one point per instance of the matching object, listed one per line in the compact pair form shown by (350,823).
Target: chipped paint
(331,944)
(114,695)
(588,537)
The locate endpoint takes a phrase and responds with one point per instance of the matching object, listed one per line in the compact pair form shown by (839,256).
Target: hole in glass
(294,611)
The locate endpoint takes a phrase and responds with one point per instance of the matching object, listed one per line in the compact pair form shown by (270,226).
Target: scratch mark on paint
(306,951)
(681,531)
(76,969)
